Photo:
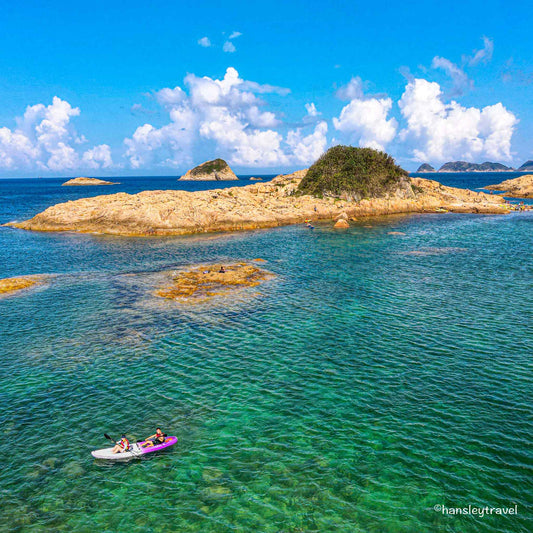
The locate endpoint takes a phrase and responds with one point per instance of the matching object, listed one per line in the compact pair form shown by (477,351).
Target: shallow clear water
(374,377)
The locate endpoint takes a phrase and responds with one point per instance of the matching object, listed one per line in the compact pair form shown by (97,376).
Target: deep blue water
(376,376)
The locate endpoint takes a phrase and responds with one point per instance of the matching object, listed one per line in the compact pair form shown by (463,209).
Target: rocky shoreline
(260,205)
(521,187)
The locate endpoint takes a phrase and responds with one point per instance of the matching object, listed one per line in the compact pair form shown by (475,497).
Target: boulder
(341,223)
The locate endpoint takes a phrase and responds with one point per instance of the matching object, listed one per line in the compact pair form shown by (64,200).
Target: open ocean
(375,378)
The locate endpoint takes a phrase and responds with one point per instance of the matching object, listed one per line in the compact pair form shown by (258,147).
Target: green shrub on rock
(353,173)
(210,166)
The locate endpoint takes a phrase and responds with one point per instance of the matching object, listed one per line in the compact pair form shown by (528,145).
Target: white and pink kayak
(136,450)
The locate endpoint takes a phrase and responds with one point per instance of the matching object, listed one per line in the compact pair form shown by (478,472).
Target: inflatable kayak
(136,450)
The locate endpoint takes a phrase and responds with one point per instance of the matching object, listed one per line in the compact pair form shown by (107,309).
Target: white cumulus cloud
(353,89)
(230,114)
(43,141)
(98,157)
(365,121)
(205,42)
(307,149)
(439,131)
(229,47)
(311,110)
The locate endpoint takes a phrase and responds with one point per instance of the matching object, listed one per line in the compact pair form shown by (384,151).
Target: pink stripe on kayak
(169,441)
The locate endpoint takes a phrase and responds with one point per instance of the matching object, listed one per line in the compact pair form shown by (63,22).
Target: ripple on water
(356,390)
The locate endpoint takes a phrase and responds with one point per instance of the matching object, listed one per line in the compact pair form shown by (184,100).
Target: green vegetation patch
(210,166)
(355,173)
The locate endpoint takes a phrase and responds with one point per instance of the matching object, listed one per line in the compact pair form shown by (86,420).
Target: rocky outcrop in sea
(521,187)
(215,170)
(88,181)
(258,205)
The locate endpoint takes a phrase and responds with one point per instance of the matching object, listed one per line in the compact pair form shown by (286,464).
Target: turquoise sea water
(376,376)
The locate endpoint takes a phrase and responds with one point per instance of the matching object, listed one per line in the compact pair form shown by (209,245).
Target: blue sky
(153,88)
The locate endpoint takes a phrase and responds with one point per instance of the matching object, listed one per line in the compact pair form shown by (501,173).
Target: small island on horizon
(88,181)
(214,170)
(464,166)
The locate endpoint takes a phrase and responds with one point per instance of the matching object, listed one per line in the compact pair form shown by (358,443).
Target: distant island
(464,166)
(426,168)
(88,181)
(215,170)
(526,167)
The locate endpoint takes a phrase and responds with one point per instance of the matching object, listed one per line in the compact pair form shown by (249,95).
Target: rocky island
(88,181)
(463,166)
(345,182)
(521,187)
(426,168)
(203,282)
(526,167)
(216,170)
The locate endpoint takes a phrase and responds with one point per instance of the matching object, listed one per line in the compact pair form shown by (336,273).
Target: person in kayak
(123,445)
(153,440)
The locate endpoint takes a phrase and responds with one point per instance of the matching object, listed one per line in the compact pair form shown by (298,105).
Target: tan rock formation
(259,205)
(216,170)
(10,285)
(521,187)
(256,179)
(88,181)
(341,223)
(206,281)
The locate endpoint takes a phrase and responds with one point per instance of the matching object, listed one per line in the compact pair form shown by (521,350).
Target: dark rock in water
(426,168)
(463,166)
(526,167)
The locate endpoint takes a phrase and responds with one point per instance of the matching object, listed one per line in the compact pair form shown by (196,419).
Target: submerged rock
(73,469)
(88,181)
(215,170)
(206,281)
(211,474)
(10,285)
